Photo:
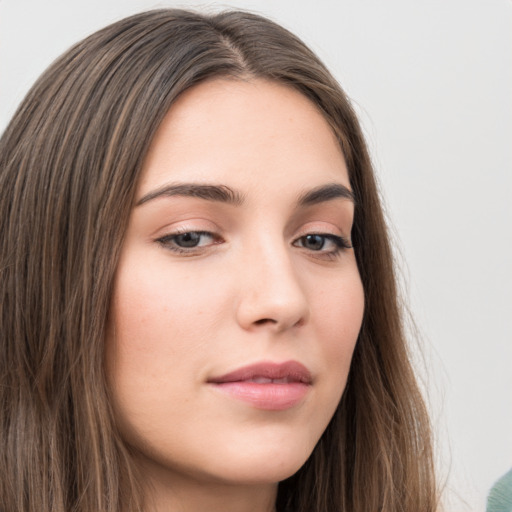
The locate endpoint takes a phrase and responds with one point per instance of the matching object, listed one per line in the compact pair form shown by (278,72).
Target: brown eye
(327,244)
(187,240)
(313,242)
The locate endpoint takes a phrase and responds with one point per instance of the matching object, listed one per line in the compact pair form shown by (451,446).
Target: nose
(270,293)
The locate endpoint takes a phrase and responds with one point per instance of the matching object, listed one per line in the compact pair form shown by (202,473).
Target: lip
(266,385)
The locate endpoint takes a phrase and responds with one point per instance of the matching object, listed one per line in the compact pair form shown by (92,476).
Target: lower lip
(269,397)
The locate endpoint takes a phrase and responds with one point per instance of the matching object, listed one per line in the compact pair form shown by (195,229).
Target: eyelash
(169,241)
(340,243)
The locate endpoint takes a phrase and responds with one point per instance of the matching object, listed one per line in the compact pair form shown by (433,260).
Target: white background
(432,82)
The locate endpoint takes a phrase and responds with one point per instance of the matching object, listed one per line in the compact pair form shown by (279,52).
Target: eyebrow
(326,193)
(220,193)
(225,194)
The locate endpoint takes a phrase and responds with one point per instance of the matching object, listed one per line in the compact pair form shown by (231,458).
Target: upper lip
(289,371)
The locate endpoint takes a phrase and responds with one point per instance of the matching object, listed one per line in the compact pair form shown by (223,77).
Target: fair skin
(237,254)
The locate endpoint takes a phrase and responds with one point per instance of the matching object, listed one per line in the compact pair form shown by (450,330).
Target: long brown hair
(69,165)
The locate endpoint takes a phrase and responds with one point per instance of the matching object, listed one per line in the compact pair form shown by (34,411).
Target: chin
(252,462)
(264,464)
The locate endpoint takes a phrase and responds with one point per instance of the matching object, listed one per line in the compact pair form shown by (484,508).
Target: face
(237,301)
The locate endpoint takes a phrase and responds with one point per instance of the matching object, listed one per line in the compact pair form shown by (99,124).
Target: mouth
(266,385)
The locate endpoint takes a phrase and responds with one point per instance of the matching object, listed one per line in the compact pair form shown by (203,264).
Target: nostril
(263,321)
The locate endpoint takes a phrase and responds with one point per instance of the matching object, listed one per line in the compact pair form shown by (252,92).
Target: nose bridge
(271,292)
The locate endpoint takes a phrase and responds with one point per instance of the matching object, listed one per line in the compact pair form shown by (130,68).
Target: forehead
(244,132)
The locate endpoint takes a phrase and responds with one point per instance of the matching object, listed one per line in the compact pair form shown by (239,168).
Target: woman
(199,309)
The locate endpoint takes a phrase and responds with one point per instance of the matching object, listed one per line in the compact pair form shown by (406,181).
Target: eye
(323,243)
(188,241)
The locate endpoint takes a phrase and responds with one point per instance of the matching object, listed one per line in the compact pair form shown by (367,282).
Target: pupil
(314,242)
(188,239)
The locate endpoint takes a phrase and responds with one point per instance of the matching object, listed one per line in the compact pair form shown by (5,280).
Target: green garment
(500,497)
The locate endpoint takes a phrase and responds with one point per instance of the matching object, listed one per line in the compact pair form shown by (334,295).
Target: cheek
(156,311)
(338,314)
(339,308)
(160,331)
(152,348)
